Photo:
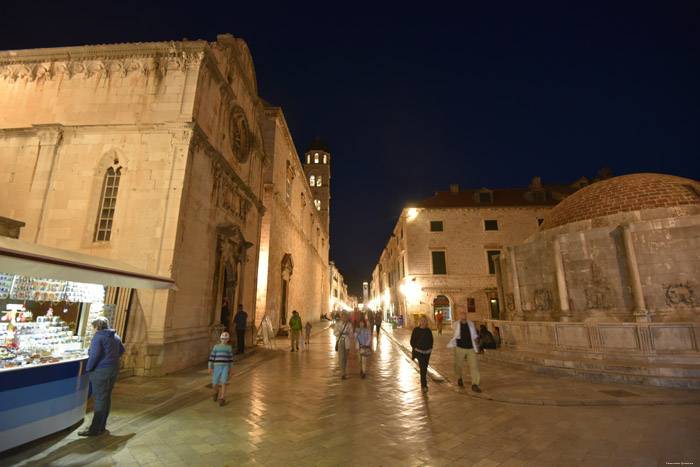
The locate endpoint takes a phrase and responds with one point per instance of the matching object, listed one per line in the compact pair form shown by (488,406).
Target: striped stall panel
(37,401)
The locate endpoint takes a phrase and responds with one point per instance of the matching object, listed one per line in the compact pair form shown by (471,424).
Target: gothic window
(318,181)
(325,159)
(316,158)
(308,158)
(108,203)
(317,203)
(312,180)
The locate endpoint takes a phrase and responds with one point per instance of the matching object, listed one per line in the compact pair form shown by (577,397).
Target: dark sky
(414,98)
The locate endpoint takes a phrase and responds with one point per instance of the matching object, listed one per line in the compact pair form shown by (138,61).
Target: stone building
(440,254)
(339,299)
(294,243)
(613,273)
(151,154)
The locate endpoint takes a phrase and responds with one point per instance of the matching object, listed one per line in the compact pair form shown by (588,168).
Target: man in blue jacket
(103,365)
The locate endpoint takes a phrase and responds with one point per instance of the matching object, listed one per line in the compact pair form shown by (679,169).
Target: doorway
(442,304)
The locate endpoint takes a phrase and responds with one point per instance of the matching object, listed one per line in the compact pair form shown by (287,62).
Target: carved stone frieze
(680,294)
(543,299)
(599,292)
(99,67)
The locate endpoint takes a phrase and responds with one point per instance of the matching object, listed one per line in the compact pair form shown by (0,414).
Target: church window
(108,203)
(312,180)
(325,159)
(318,181)
(317,203)
(316,158)
(308,158)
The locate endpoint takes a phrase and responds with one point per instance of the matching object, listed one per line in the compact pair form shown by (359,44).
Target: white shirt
(338,330)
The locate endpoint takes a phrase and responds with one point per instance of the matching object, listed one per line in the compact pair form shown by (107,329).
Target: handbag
(365,350)
(340,337)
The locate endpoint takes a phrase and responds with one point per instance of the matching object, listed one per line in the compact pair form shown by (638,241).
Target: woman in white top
(343,333)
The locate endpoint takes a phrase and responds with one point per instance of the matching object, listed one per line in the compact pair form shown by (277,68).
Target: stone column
(516,284)
(640,311)
(50,138)
(561,281)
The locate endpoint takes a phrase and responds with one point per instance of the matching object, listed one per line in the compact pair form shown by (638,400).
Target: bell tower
(318,173)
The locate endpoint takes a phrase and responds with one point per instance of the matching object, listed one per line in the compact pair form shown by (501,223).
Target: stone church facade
(153,154)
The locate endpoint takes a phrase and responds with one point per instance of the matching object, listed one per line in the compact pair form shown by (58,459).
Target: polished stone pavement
(289,409)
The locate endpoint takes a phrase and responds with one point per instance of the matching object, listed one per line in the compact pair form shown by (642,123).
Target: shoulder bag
(340,337)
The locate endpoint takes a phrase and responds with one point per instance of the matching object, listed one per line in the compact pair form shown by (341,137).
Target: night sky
(413,98)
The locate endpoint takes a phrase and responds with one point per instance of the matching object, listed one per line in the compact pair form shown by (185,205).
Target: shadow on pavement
(97,446)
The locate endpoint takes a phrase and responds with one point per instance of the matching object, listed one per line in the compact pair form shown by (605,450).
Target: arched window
(325,159)
(108,203)
(317,203)
(312,180)
(316,158)
(318,181)
(308,158)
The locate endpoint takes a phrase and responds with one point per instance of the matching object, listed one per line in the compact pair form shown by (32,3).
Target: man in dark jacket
(103,365)
(241,323)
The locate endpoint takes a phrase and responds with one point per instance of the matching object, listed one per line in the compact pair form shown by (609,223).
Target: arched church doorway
(442,304)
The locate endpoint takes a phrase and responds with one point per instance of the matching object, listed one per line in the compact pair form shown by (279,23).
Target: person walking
(378,321)
(422,345)
(343,331)
(106,349)
(362,339)
(241,323)
(439,318)
(464,342)
(308,331)
(295,327)
(221,366)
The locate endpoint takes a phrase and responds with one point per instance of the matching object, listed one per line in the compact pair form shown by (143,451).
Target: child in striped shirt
(221,366)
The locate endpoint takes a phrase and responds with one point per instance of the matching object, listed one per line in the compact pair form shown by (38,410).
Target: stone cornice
(90,60)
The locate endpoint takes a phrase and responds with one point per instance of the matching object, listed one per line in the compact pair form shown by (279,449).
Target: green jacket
(295,323)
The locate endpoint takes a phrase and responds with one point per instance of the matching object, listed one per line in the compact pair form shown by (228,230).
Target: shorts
(220,374)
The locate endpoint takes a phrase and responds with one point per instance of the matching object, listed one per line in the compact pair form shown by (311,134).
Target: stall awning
(30,259)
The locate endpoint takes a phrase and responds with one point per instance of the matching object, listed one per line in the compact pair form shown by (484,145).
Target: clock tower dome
(317,167)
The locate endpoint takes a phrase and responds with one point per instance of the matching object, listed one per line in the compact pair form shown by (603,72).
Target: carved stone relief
(510,302)
(599,293)
(543,299)
(680,294)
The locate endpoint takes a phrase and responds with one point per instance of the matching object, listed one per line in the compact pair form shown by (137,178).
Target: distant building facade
(440,255)
(294,243)
(339,300)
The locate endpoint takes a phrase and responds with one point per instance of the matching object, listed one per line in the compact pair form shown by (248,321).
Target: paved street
(288,409)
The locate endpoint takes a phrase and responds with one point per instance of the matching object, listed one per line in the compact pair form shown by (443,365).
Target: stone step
(662,375)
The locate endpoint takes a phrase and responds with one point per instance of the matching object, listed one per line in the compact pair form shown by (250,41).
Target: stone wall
(294,242)
(645,270)
(640,342)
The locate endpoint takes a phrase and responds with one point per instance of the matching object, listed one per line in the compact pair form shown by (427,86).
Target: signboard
(471,306)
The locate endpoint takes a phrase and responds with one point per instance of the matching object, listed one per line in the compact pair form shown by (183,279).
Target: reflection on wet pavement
(293,409)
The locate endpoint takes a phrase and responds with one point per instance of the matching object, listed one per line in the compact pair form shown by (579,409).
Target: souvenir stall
(48,298)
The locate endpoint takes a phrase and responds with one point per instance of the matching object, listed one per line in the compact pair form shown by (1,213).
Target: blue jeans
(102,380)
